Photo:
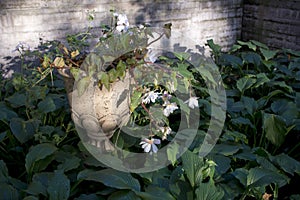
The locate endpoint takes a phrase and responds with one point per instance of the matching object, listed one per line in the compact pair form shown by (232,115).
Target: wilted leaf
(59,62)
(74,53)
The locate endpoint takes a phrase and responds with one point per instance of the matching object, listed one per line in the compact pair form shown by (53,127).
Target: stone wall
(274,22)
(29,20)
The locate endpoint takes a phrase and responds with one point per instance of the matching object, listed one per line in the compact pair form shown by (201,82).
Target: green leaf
(47,105)
(286,109)
(6,113)
(111,178)
(251,58)
(3,171)
(268,54)
(235,47)
(245,83)
(231,60)
(123,195)
(261,79)
(259,44)
(17,100)
(172,152)
(209,191)
(68,161)
(287,163)
(24,130)
(182,55)
(249,44)
(155,193)
(8,192)
(260,177)
(59,186)
(191,164)
(225,149)
(241,174)
(281,84)
(83,84)
(135,100)
(40,183)
(38,152)
(104,79)
(214,47)
(242,121)
(275,129)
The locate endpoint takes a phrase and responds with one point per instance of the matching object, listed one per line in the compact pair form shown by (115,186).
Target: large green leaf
(123,195)
(111,178)
(286,109)
(59,186)
(3,171)
(7,192)
(268,54)
(287,163)
(155,193)
(260,177)
(37,153)
(251,58)
(249,44)
(39,184)
(17,100)
(47,105)
(245,83)
(6,113)
(241,174)
(209,191)
(275,128)
(24,130)
(191,164)
(68,161)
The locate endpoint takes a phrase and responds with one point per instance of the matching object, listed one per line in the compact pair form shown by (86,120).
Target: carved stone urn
(98,112)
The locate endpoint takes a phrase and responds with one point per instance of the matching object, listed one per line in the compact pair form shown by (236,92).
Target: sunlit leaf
(82,85)
(208,191)
(59,62)
(268,54)
(245,83)
(249,44)
(260,177)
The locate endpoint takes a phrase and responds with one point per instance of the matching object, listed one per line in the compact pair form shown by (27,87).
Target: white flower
(166,97)
(193,102)
(170,107)
(122,23)
(150,96)
(149,145)
(22,46)
(166,131)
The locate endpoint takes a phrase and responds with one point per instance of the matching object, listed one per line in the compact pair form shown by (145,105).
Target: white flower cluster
(149,145)
(122,22)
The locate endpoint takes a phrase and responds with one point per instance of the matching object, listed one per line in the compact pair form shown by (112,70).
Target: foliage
(41,156)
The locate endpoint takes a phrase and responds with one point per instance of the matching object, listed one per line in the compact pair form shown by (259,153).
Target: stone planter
(97,113)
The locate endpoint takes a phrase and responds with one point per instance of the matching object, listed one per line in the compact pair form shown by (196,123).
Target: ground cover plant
(256,157)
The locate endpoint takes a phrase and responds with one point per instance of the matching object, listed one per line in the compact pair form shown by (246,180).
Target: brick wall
(274,22)
(28,20)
